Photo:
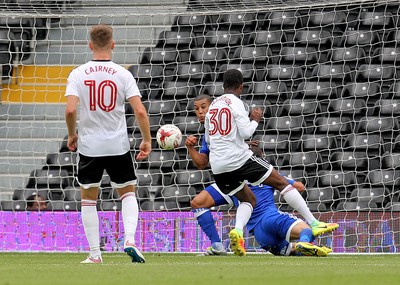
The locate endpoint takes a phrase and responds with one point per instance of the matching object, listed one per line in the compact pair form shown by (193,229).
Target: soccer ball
(169,136)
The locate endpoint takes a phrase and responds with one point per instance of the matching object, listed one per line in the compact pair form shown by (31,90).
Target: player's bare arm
(144,126)
(200,160)
(70,119)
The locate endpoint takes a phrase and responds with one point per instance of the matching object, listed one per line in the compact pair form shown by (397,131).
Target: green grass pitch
(188,269)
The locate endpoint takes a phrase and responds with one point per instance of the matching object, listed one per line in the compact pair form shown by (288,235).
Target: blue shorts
(219,197)
(272,232)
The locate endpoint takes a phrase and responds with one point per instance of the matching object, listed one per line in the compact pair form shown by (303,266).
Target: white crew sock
(296,201)
(90,221)
(243,214)
(130,215)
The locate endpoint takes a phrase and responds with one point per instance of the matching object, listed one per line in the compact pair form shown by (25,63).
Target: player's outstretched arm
(144,126)
(200,160)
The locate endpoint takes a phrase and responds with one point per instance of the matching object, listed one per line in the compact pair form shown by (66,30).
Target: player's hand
(253,143)
(72,143)
(256,114)
(299,186)
(144,150)
(191,141)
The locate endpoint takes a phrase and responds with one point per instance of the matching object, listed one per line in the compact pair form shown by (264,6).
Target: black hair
(30,200)
(203,97)
(232,79)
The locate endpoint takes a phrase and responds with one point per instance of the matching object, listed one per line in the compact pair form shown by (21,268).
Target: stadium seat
(368,19)
(379,195)
(377,124)
(268,37)
(370,142)
(63,160)
(353,160)
(147,71)
(359,37)
(213,89)
(254,54)
(391,160)
(285,124)
(178,90)
(317,207)
(226,38)
(109,206)
(295,107)
(307,160)
(176,39)
(334,125)
(238,20)
(163,107)
(159,206)
(324,18)
(386,55)
(356,206)
(210,55)
(363,90)
(392,206)
(376,72)
(193,23)
(7,205)
(72,193)
(146,177)
(192,177)
(338,73)
(49,178)
(155,123)
(179,194)
(349,106)
(275,91)
(273,142)
(343,181)
(298,175)
(388,107)
(188,124)
(189,72)
(383,177)
(159,55)
(394,90)
(286,20)
(313,36)
(326,195)
(316,90)
(300,55)
(316,142)
(163,159)
(282,72)
(248,70)
(347,55)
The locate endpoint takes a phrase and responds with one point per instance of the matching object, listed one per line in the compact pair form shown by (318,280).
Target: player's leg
(90,221)
(296,201)
(90,171)
(123,178)
(305,246)
(201,204)
(243,213)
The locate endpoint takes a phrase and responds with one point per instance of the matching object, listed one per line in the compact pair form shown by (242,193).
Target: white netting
(325,73)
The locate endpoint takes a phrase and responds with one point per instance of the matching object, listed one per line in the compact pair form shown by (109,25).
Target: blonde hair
(101,36)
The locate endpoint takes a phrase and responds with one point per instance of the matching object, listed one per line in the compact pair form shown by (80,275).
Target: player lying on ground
(202,203)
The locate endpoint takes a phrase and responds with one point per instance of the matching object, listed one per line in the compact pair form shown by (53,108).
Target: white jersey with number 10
(102,88)
(227,125)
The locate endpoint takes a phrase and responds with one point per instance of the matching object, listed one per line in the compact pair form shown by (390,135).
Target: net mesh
(325,74)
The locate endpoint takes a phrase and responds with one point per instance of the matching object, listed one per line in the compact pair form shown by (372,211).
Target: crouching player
(202,203)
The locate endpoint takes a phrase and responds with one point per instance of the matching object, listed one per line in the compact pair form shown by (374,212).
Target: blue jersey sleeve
(290,180)
(204,147)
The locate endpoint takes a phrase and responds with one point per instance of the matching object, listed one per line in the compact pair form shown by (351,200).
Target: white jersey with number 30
(227,125)
(102,88)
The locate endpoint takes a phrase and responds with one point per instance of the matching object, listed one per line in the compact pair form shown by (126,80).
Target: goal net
(324,72)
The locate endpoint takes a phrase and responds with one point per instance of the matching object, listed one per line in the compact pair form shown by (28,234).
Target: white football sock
(90,221)
(130,215)
(296,201)
(243,214)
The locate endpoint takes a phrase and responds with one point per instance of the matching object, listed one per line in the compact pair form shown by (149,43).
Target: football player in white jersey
(101,88)
(227,126)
